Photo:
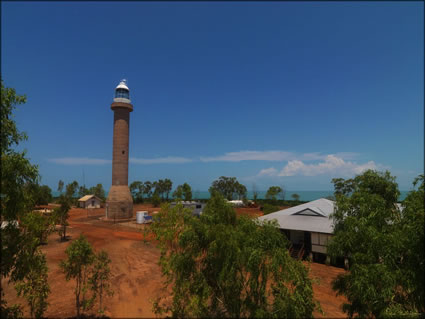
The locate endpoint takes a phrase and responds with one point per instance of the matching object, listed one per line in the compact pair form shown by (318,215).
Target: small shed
(89,201)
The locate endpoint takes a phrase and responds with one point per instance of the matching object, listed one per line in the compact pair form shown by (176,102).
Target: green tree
(83,191)
(136,189)
(187,192)
(229,187)
(168,186)
(60,186)
(371,231)
(98,191)
(80,257)
(71,190)
(158,187)
(61,215)
(273,192)
(178,193)
(219,265)
(183,192)
(43,195)
(412,261)
(34,287)
(100,278)
(156,200)
(18,248)
(147,189)
(295,197)
(269,208)
(37,226)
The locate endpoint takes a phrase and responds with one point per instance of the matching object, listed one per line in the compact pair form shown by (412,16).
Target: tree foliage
(295,197)
(19,249)
(269,208)
(60,186)
(273,192)
(228,187)
(61,215)
(163,188)
(38,226)
(34,286)
(136,190)
(80,257)
(98,191)
(83,190)
(100,278)
(372,231)
(91,272)
(219,265)
(183,192)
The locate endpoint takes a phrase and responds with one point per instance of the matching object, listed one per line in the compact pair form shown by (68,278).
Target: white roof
(312,216)
(123,85)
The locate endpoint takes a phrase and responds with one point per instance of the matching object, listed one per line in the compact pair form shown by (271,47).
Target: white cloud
(250,156)
(98,161)
(268,172)
(79,161)
(331,165)
(273,156)
(160,160)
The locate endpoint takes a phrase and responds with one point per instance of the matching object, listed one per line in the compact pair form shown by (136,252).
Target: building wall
(91,203)
(319,241)
(296,236)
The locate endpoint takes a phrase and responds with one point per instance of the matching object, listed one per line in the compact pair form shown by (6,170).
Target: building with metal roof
(89,201)
(307,226)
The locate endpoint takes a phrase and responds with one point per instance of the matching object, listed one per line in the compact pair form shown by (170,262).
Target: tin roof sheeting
(87,197)
(312,216)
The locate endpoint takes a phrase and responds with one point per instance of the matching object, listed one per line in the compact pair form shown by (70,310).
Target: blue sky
(275,93)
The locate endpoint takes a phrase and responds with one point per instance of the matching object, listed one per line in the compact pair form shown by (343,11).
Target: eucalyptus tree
(100,278)
(384,245)
(228,187)
(19,249)
(183,192)
(219,265)
(60,186)
(273,192)
(136,190)
(80,257)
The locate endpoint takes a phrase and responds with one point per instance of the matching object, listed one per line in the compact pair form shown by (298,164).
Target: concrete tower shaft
(119,203)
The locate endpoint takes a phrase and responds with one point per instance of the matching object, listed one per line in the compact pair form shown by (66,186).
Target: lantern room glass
(122,93)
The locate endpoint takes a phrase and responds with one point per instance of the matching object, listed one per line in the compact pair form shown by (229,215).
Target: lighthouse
(119,203)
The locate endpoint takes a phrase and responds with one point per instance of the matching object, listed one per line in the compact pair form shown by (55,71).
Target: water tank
(140,217)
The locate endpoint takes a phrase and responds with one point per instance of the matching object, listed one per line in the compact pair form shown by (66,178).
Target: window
(122,93)
(198,206)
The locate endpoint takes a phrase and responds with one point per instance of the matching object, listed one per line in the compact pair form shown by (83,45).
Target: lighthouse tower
(119,203)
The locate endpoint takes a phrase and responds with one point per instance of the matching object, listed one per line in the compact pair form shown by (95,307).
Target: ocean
(304,195)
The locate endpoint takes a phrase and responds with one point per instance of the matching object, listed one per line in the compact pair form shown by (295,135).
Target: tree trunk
(77,294)
(100,295)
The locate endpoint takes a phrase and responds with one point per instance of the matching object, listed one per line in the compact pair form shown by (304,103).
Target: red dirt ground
(136,277)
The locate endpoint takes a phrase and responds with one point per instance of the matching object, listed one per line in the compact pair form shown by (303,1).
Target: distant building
(236,202)
(89,201)
(196,207)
